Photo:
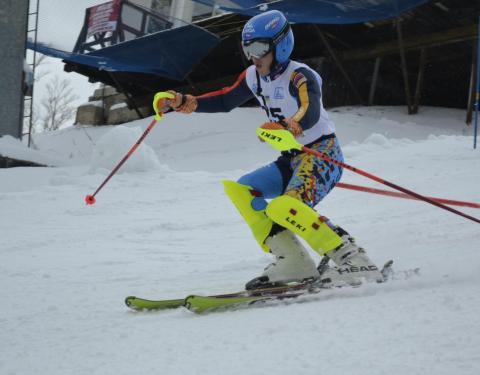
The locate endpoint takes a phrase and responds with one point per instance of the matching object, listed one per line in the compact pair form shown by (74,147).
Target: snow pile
(357,123)
(110,149)
(15,149)
(378,139)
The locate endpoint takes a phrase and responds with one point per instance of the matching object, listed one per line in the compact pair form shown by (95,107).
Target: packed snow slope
(163,228)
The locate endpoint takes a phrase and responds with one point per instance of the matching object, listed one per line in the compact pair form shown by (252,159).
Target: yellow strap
(158,96)
(304,221)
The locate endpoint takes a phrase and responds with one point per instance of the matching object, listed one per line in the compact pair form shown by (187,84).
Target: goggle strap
(281,34)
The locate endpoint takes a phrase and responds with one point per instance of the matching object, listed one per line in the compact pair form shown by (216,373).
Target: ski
(137,303)
(200,304)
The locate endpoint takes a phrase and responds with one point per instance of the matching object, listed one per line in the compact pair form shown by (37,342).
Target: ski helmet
(266,32)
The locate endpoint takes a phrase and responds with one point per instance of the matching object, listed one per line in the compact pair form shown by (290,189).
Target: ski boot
(352,265)
(292,262)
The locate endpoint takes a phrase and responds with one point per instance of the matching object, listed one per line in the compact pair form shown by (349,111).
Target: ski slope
(163,228)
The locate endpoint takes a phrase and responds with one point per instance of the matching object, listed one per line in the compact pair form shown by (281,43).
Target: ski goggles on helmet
(256,48)
(261,46)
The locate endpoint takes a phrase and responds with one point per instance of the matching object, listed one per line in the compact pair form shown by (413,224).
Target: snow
(111,148)
(94,103)
(117,106)
(163,228)
(14,148)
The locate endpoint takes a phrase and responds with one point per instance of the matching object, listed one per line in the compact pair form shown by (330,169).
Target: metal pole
(477,95)
(30,123)
(404,66)
(418,88)
(373,86)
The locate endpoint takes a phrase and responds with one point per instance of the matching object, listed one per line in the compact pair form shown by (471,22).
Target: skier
(290,93)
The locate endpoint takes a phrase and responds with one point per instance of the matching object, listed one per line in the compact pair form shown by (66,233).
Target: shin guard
(242,197)
(305,222)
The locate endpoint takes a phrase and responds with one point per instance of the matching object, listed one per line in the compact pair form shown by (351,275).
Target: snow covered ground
(163,228)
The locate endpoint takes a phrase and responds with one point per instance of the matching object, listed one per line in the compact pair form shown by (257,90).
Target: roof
(336,12)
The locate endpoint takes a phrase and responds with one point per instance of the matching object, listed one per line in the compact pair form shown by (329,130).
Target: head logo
(249,29)
(272,24)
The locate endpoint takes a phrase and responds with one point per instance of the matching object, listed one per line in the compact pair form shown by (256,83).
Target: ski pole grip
(159,103)
(279,139)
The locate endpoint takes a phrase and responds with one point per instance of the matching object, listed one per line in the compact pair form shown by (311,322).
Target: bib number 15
(276,113)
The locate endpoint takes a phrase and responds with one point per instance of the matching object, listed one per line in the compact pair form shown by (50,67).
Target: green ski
(136,303)
(244,296)
(201,304)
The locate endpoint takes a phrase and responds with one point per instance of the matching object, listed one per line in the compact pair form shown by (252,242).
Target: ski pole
(283,140)
(90,199)
(449,202)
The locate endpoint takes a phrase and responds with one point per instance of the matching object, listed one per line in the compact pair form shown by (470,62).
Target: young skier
(290,93)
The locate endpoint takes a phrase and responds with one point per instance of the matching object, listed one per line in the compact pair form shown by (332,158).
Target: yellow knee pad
(303,221)
(242,197)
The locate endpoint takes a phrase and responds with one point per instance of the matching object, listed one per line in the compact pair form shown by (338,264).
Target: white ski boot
(352,264)
(292,263)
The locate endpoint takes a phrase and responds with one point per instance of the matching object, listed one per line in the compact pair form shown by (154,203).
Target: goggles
(256,48)
(260,47)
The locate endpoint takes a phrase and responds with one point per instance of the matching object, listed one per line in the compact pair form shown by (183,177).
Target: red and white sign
(103,17)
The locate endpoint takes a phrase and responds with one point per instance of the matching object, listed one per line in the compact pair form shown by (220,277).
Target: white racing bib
(278,103)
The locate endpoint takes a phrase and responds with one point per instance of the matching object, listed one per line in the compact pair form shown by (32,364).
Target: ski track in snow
(163,228)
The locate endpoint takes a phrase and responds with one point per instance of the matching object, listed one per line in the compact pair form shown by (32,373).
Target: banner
(103,17)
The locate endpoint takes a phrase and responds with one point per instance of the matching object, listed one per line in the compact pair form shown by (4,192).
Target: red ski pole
(388,183)
(449,202)
(283,140)
(90,199)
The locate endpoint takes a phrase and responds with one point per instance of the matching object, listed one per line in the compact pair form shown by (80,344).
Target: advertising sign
(103,17)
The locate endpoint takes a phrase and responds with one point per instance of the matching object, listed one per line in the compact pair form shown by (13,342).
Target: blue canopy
(321,11)
(170,53)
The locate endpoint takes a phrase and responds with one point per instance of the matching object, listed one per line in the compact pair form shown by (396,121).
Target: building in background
(118,21)
(13,33)
(185,10)
(179,11)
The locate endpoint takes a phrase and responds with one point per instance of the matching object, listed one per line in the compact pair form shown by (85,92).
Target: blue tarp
(171,53)
(322,11)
